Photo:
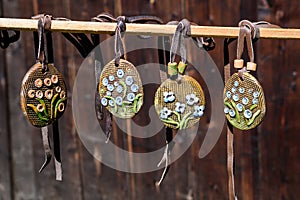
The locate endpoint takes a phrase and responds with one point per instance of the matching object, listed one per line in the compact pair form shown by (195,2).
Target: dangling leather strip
(246,26)
(39,51)
(44,54)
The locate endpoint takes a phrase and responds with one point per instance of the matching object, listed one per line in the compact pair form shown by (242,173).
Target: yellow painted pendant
(43,95)
(121,89)
(180,104)
(244,101)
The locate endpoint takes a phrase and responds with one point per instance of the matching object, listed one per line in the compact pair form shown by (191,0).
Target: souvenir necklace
(120,87)
(244,98)
(43,92)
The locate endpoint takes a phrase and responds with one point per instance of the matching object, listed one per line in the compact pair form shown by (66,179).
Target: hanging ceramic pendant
(121,89)
(120,86)
(43,93)
(244,98)
(179,101)
(180,104)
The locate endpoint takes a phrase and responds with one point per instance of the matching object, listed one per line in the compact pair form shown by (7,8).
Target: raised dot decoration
(43,95)
(180,105)
(120,89)
(244,101)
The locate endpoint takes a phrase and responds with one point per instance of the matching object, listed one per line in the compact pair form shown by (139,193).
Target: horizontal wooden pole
(142,29)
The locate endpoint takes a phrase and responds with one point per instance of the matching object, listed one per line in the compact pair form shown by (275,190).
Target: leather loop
(119,48)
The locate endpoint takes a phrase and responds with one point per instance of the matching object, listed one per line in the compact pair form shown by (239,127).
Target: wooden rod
(142,29)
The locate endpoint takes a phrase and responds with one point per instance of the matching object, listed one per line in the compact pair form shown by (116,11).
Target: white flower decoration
(247,114)
(165,113)
(119,100)
(198,111)
(105,81)
(130,96)
(120,73)
(134,88)
(180,107)
(110,87)
(119,89)
(129,80)
(111,78)
(191,99)
(104,101)
(169,97)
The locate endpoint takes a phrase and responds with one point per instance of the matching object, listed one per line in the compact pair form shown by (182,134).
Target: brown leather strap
(230,150)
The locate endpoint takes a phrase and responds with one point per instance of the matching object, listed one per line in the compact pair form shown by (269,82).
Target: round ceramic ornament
(244,101)
(43,95)
(180,104)
(121,89)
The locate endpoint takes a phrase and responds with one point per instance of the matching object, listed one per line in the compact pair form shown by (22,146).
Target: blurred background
(267,161)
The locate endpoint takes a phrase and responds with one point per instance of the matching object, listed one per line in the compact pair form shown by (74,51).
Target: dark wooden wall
(267,161)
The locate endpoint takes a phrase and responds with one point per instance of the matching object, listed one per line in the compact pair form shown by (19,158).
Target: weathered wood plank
(5,154)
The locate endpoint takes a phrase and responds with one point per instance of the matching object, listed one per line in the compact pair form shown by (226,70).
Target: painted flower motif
(38,83)
(111,103)
(226,110)
(120,73)
(191,99)
(61,107)
(105,81)
(58,89)
(255,101)
(255,94)
(231,113)
(165,113)
(31,93)
(119,100)
(130,96)
(40,107)
(39,94)
(169,97)
(247,114)
(228,94)
(233,90)
(235,97)
(236,83)
(110,87)
(119,89)
(111,78)
(245,100)
(239,107)
(242,90)
(179,107)
(62,94)
(198,111)
(129,80)
(104,101)
(49,94)
(47,82)
(116,84)
(54,79)
(108,93)
(134,88)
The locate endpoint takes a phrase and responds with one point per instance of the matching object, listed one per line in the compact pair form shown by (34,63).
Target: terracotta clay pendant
(120,89)
(43,95)
(180,104)
(244,101)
